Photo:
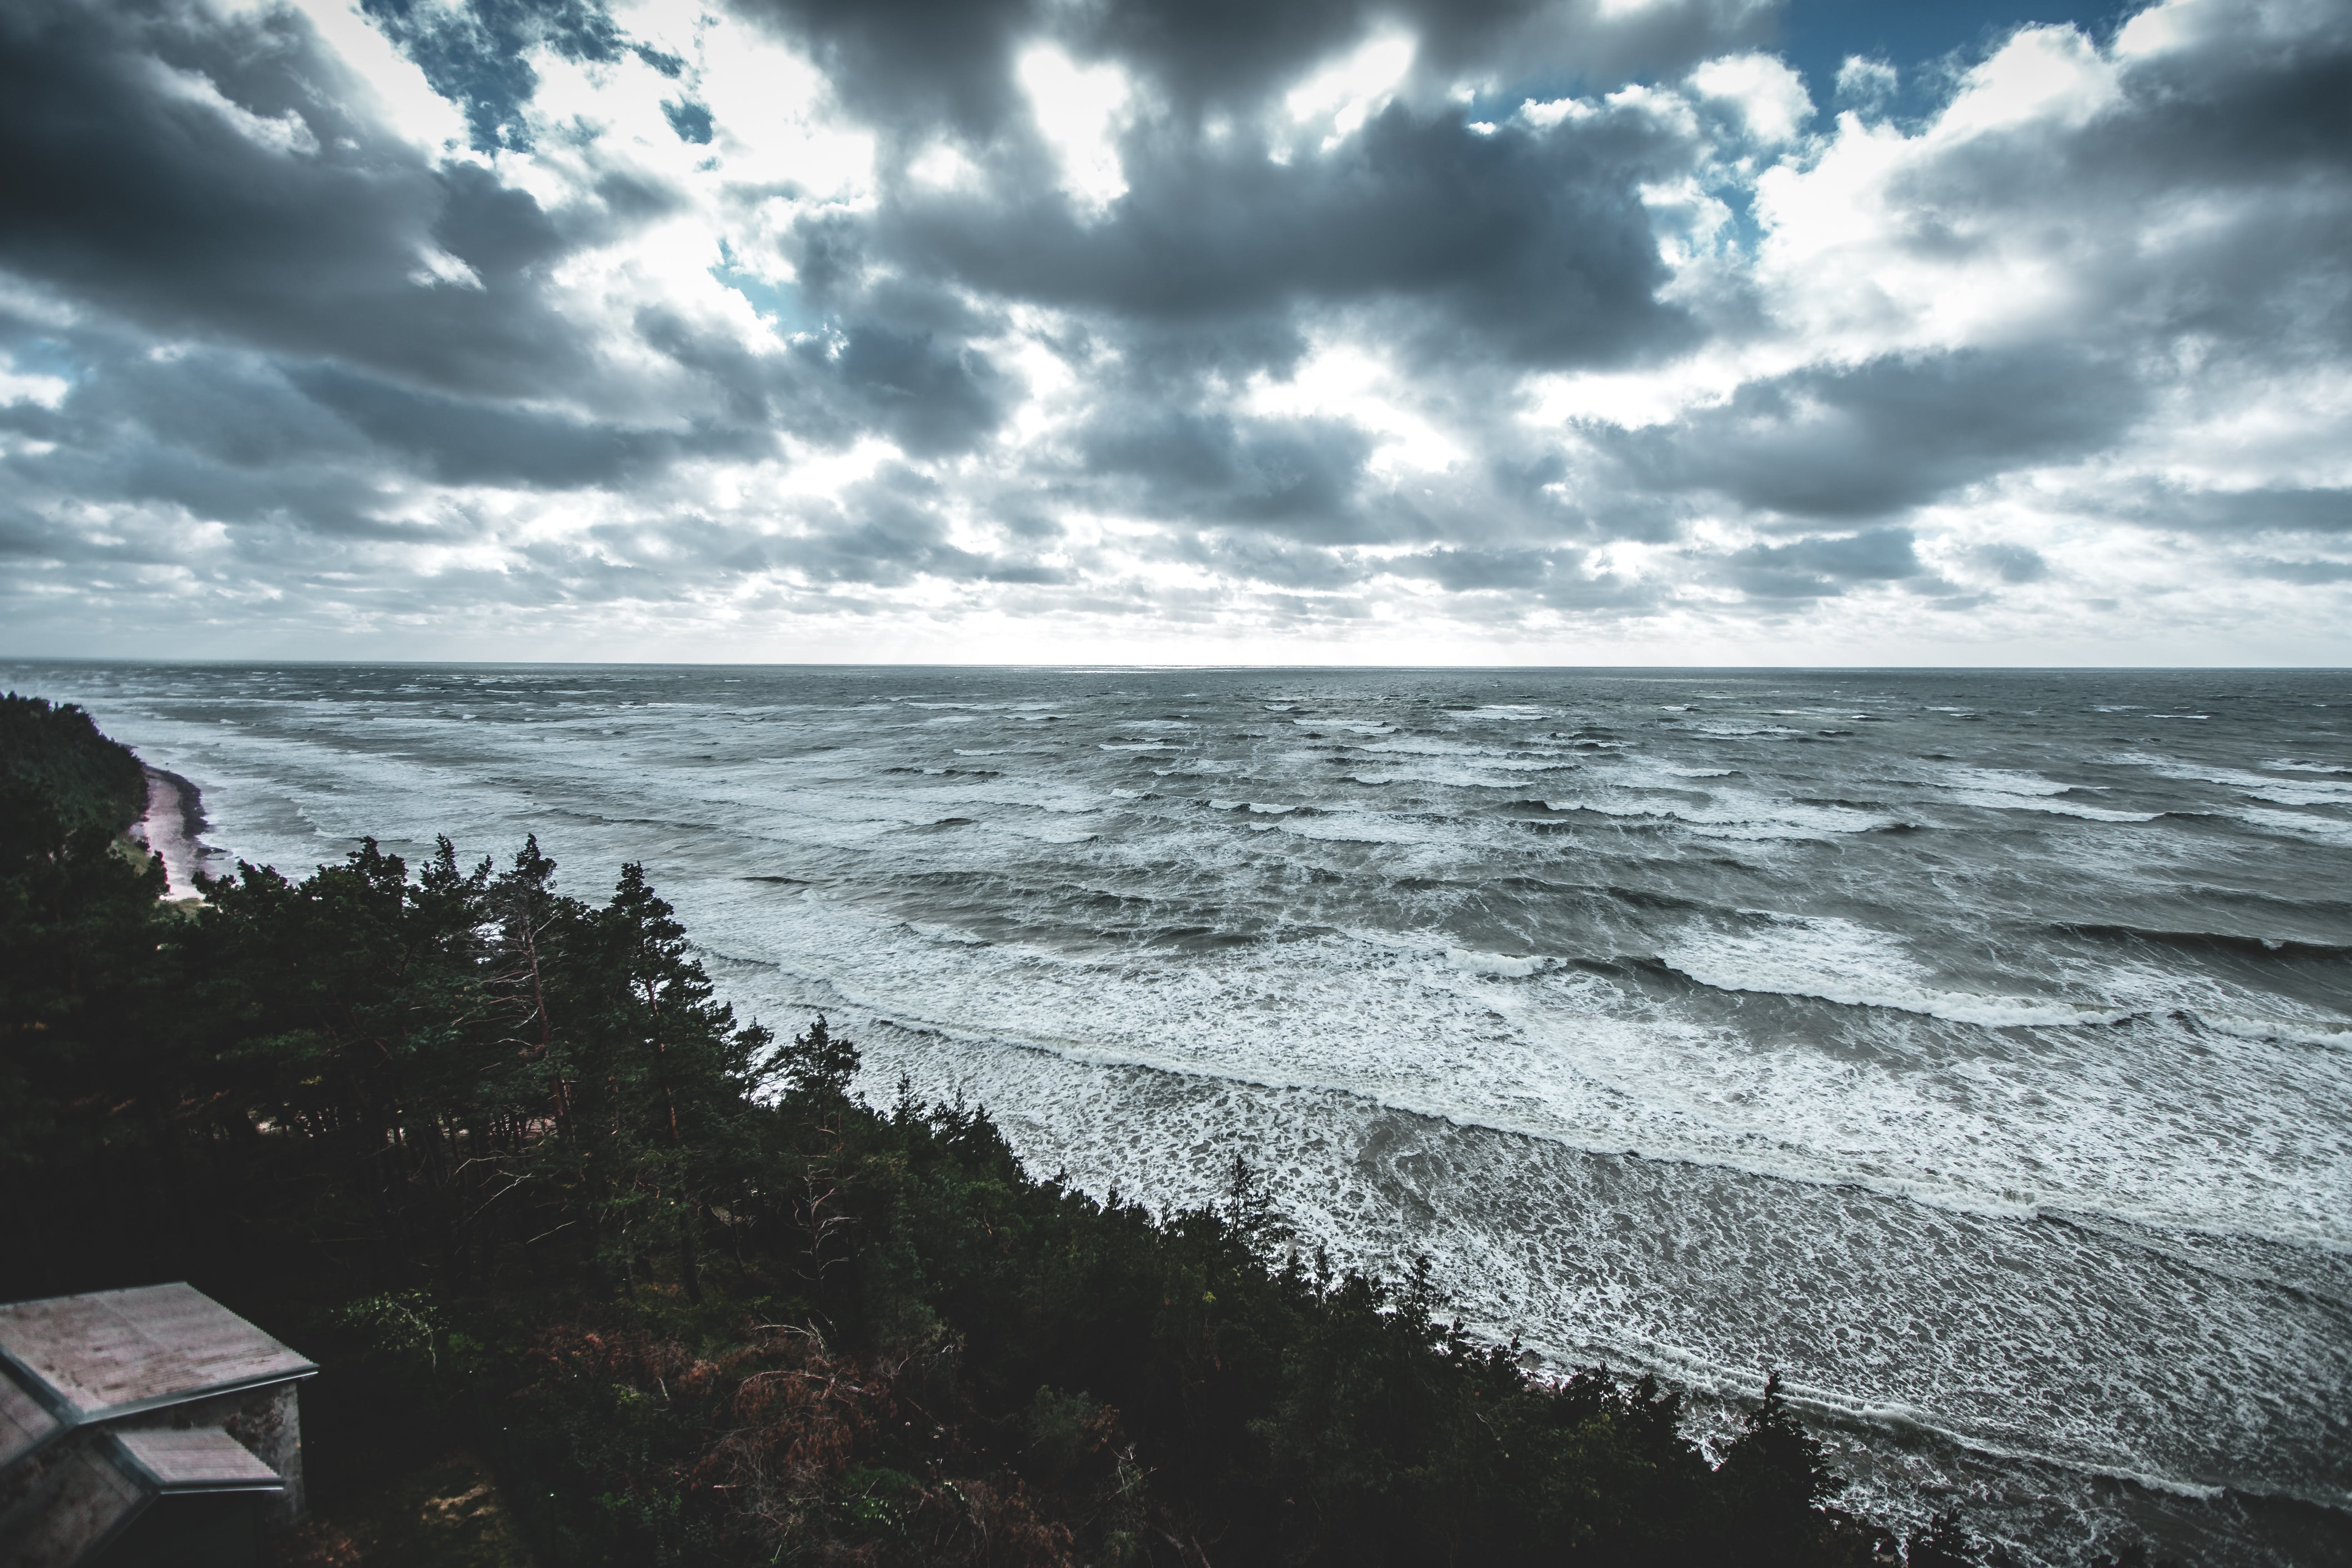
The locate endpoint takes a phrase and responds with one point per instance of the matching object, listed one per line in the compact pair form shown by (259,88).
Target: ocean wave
(1838,961)
(1513,1003)
(2237,944)
(1656,1135)
(2052,805)
(2326,829)
(1359,827)
(1501,964)
(2258,786)
(2300,1031)
(1736,818)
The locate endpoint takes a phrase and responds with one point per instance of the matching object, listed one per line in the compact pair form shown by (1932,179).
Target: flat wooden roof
(201,1459)
(91,1357)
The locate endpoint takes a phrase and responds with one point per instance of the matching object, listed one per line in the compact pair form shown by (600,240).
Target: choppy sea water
(1975,1049)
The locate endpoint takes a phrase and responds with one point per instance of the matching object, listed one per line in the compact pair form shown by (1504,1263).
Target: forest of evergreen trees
(497,1156)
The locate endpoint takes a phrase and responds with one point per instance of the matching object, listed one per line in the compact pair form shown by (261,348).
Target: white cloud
(1079,111)
(2051,77)
(1347,380)
(285,133)
(1866,82)
(1264,467)
(35,387)
(1770,98)
(1350,89)
(391,89)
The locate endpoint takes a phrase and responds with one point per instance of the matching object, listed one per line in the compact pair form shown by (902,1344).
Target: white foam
(1481,774)
(2303,1031)
(2254,785)
(2326,830)
(1741,816)
(1903,1115)
(1498,963)
(1362,827)
(1992,801)
(2001,781)
(1839,961)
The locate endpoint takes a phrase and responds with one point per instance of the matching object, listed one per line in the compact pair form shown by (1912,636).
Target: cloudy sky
(1348,331)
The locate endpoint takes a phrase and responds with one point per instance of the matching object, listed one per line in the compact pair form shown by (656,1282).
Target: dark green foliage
(533,1184)
(78,931)
(54,757)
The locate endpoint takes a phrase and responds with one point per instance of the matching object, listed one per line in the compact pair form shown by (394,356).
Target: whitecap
(1838,961)
(1994,801)
(2300,1031)
(1505,965)
(1733,816)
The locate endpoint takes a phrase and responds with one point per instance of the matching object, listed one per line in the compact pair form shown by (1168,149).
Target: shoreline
(173,827)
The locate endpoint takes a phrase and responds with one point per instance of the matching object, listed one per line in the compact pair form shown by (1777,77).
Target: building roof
(94,1495)
(89,1358)
(199,1459)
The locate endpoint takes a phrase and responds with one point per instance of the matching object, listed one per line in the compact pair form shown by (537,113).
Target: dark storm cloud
(1886,435)
(934,397)
(461,442)
(1293,476)
(1529,245)
(917,64)
(2301,570)
(290,344)
(1822,567)
(1268,562)
(208,434)
(883,532)
(2264,509)
(124,185)
(2011,563)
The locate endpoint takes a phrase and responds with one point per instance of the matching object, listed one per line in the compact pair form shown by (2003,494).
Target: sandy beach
(172,828)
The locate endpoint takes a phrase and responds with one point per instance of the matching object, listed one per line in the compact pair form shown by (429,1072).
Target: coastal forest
(499,1158)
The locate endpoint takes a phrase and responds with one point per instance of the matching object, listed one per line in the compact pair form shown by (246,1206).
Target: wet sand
(172,826)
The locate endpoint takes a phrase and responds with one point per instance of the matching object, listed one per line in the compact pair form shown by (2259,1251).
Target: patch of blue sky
(46,356)
(779,305)
(1818,37)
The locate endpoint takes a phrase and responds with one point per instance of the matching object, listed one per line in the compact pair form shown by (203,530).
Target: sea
(1972,1049)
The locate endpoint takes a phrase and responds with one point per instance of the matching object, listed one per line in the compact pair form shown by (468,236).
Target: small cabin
(144,1427)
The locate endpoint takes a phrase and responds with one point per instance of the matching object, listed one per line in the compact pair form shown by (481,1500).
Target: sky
(1347,331)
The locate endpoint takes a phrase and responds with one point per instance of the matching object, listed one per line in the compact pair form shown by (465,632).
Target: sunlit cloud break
(1528,333)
